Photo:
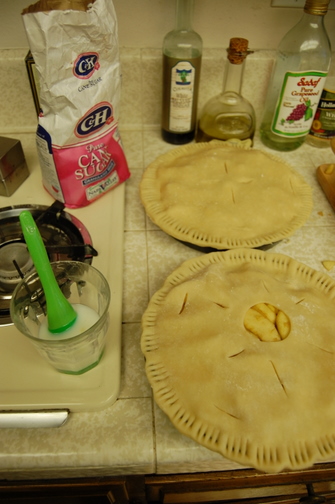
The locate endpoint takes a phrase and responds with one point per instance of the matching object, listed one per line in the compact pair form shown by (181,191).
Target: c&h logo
(94,119)
(85,65)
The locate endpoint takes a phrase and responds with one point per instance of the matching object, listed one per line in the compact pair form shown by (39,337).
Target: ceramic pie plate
(265,404)
(224,196)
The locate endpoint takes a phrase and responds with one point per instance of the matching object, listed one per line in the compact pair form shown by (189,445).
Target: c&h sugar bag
(75,48)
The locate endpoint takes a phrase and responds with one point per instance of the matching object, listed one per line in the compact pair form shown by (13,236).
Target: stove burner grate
(64,236)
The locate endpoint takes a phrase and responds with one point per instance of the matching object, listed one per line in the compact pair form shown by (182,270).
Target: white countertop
(133,436)
(312,244)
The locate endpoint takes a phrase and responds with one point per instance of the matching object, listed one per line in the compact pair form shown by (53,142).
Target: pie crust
(268,405)
(224,196)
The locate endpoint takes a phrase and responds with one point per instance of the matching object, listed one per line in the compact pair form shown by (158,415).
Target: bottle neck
(312,18)
(310,37)
(184,12)
(233,77)
(315,25)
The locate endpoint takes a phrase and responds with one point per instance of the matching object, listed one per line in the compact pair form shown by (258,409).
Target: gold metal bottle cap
(316,7)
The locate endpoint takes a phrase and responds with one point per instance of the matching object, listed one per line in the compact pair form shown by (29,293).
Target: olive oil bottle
(182,53)
(229,115)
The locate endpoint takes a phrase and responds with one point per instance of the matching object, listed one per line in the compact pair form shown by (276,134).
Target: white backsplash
(141,86)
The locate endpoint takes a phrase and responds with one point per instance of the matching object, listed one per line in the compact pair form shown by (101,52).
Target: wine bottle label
(323,125)
(182,91)
(297,103)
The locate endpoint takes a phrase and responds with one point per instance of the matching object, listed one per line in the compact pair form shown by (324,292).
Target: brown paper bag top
(49,5)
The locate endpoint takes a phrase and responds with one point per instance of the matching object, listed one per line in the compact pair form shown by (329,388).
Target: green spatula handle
(61,314)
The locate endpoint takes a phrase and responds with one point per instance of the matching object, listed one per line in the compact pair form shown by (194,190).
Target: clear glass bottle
(182,53)
(323,126)
(297,80)
(229,114)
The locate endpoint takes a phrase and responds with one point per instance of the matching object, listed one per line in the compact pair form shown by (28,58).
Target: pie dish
(224,196)
(264,404)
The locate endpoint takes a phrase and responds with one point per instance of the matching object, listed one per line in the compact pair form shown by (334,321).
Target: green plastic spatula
(60,313)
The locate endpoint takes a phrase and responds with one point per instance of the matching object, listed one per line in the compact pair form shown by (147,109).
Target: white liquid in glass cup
(88,290)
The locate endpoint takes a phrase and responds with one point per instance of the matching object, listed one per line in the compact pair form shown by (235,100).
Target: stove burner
(15,262)
(64,236)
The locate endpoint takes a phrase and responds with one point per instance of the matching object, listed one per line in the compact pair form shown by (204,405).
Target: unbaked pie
(222,196)
(266,402)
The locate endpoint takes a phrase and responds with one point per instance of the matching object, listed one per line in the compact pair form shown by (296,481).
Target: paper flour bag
(76,53)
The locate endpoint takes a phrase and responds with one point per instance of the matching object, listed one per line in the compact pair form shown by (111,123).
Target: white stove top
(27,382)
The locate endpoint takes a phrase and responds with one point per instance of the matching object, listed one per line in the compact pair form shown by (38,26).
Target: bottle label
(297,103)
(323,126)
(181,96)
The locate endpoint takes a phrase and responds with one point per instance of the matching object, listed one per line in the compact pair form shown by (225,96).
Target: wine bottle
(182,53)
(229,115)
(298,77)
